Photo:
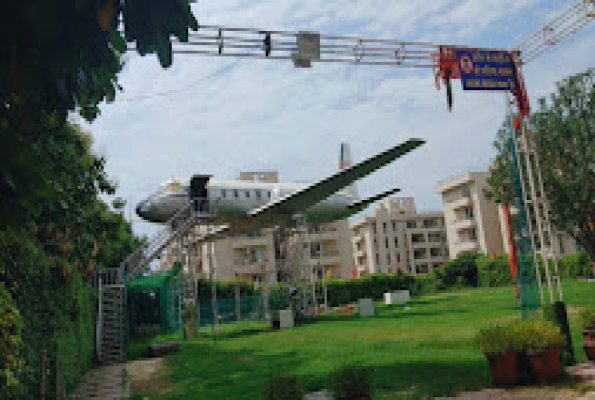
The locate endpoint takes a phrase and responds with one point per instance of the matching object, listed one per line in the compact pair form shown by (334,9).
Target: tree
(563,130)
(64,56)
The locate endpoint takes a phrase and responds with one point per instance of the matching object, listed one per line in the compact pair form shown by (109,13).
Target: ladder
(111,316)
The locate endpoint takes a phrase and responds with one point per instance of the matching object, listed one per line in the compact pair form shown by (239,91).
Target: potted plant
(587,317)
(541,341)
(284,387)
(500,345)
(351,382)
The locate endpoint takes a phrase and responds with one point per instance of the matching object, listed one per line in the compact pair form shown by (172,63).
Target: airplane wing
(314,193)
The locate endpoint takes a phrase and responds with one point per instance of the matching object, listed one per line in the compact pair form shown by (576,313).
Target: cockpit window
(172,186)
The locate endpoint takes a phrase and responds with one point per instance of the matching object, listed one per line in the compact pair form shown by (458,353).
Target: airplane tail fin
(345,161)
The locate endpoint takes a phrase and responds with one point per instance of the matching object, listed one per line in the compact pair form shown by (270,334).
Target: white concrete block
(286,318)
(397,296)
(366,308)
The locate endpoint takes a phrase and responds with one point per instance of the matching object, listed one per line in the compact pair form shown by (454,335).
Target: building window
(398,257)
(396,242)
(429,223)
(223,194)
(394,224)
(247,193)
(435,252)
(472,234)
(236,194)
(466,191)
(257,193)
(374,229)
(411,224)
(418,238)
(386,242)
(377,259)
(419,253)
(268,194)
(385,228)
(469,212)
(315,250)
(388,260)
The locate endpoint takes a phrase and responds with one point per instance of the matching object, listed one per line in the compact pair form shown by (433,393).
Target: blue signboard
(486,69)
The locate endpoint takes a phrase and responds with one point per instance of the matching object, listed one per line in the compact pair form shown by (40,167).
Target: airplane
(246,206)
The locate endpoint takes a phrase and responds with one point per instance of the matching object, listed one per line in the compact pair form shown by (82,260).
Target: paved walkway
(107,382)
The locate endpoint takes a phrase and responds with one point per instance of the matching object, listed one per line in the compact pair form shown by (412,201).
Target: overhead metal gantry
(305,47)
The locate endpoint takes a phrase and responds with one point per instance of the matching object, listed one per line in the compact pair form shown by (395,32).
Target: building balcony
(460,203)
(326,257)
(461,224)
(467,246)
(323,234)
(245,241)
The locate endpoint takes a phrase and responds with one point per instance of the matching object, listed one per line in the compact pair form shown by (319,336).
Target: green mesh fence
(167,286)
(527,278)
(250,308)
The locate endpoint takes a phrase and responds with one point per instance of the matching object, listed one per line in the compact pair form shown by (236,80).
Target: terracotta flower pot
(590,351)
(589,336)
(546,365)
(503,369)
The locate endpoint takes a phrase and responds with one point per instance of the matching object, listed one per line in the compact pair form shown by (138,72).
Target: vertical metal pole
(99,319)
(524,196)
(536,209)
(213,290)
(325,289)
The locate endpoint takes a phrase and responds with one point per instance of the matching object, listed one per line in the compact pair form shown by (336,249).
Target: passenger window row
(258,194)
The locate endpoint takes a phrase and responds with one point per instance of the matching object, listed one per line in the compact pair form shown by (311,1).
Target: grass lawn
(426,350)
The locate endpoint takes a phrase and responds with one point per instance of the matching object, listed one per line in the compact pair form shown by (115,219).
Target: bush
(284,387)
(538,335)
(499,339)
(351,383)
(462,271)
(587,317)
(10,339)
(575,265)
(493,272)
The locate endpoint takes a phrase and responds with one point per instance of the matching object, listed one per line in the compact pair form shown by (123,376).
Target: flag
(354,274)
(329,274)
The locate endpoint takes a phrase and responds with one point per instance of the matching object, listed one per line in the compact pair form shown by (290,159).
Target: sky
(220,116)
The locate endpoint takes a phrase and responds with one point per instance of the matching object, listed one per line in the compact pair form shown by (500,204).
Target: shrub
(587,317)
(10,339)
(538,335)
(284,387)
(351,383)
(493,272)
(498,340)
(460,271)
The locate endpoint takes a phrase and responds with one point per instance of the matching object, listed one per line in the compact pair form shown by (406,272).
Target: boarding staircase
(111,317)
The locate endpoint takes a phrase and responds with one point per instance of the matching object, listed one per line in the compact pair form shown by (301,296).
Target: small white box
(366,308)
(286,318)
(395,297)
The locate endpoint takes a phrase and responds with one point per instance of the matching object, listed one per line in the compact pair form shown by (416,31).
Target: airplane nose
(139,208)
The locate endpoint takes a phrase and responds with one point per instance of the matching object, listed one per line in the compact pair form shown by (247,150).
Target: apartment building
(397,237)
(472,221)
(254,256)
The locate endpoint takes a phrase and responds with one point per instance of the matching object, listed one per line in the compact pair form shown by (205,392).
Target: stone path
(107,382)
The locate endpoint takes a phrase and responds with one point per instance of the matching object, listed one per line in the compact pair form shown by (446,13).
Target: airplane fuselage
(231,201)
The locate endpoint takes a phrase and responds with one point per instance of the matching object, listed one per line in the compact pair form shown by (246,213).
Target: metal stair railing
(184,219)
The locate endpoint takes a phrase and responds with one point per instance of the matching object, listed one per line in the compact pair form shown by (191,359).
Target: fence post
(238,302)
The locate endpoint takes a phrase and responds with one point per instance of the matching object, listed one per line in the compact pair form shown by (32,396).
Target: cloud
(221,115)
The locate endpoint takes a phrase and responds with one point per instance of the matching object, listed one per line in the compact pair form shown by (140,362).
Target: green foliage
(587,317)
(499,339)
(575,265)
(493,272)
(284,387)
(536,335)
(351,382)
(462,271)
(11,326)
(563,130)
